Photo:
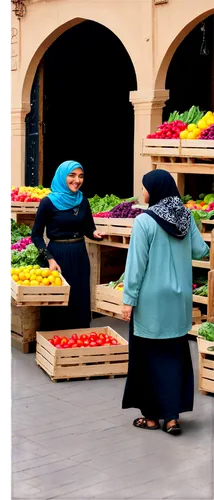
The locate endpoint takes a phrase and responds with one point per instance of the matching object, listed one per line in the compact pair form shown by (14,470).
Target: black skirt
(160,377)
(74,263)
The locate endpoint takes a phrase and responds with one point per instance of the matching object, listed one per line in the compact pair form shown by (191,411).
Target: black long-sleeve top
(61,224)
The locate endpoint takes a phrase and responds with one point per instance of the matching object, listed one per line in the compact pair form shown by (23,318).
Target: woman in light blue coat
(158,302)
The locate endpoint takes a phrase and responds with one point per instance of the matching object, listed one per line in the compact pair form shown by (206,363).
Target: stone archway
(163,68)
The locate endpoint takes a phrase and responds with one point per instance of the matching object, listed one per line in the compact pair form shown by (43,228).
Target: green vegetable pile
(113,284)
(105,204)
(19,231)
(202,291)
(26,257)
(192,116)
(206,331)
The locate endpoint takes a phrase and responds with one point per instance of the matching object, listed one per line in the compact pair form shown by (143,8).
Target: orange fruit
(45,281)
(22,276)
(39,279)
(15,278)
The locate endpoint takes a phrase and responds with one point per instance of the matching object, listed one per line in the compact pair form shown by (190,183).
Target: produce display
(202,291)
(192,124)
(28,193)
(21,244)
(206,330)
(19,231)
(35,276)
(122,210)
(85,340)
(119,284)
(104,205)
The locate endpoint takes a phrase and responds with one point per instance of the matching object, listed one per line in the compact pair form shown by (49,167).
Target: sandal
(142,423)
(174,429)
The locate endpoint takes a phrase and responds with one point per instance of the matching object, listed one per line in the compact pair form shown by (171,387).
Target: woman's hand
(98,235)
(53,266)
(126,312)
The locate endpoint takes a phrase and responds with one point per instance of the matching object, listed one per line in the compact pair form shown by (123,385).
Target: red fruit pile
(92,340)
(15,196)
(167,130)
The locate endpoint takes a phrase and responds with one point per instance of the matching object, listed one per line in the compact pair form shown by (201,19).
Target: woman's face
(75,180)
(145,195)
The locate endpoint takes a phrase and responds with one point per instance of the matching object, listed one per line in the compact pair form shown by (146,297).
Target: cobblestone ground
(72,440)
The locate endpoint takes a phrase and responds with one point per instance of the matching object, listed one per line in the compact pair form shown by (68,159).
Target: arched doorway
(190,81)
(85,76)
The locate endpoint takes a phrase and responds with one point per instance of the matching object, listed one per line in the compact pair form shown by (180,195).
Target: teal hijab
(61,196)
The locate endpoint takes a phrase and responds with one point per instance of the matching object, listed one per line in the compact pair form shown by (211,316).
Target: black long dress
(71,257)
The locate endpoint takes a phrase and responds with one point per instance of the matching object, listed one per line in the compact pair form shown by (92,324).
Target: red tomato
(56,340)
(79,342)
(74,337)
(100,342)
(83,337)
(65,346)
(58,346)
(93,343)
(64,340)
(74,345)
(51,341)
(86,343)
(93,335)
(70,342)
(27,199)
(114,342)
(102,336)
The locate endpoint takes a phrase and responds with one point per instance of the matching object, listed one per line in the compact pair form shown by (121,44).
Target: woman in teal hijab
(67,217)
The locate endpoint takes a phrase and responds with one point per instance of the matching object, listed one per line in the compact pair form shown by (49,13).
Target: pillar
(18,146)
(148,115)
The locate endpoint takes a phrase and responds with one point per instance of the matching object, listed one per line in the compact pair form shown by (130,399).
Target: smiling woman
(67,217)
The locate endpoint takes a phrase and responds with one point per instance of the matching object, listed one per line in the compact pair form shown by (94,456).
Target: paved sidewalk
(72,440)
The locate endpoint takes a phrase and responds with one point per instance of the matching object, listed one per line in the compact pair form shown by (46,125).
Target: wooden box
(206,366)
(24,207)
(81,362)
(25,322)
(109,301)
(40,295)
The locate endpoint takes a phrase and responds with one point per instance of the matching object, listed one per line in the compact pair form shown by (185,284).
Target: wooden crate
(109,301)
(206,366)
(24,207)
(40,295)
(24,218)
(178,148)
(78,362)
(25,321)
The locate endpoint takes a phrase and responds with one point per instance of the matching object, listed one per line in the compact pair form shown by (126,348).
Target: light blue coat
(158,278)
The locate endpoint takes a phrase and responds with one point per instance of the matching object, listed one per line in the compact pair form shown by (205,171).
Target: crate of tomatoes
(82,353)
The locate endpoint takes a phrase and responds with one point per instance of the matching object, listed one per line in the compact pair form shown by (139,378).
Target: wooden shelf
(201,263)
(200,300)
(186,168)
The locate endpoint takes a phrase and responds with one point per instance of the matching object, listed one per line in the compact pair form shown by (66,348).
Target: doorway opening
(86,115)
(190,80)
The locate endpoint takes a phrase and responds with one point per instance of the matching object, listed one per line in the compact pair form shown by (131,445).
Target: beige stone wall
(150,33)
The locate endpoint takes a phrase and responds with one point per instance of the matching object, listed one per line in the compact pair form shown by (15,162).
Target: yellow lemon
(27,276)
(38,272)
(29,268)
(209,114)
(210,121)
(190,135)
(19,282)
(55,274)
(196,133)
(184,134)
(33,277)
(58,281)
(45,281)
(26,283)
(12,271)
(202,124)
(39,279)
(34,283)
(50,279)
(15,278)
(32,271)
(45,273)
(22,276)
(36,266)
(191,127)
(16,272)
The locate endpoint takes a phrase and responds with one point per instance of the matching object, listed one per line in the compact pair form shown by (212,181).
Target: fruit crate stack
(25,202)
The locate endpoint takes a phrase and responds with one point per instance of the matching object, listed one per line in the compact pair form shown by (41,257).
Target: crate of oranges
(38,286)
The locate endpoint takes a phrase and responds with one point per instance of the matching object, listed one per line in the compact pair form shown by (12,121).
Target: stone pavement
(72,440)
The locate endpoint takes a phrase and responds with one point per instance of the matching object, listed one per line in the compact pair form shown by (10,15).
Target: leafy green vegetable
(186,198)
(193,115)
(26,257)
(19,231)
(206,330)
(202,291)
(105,204)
